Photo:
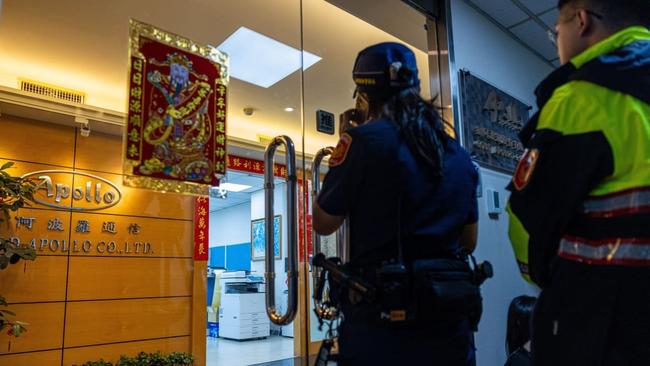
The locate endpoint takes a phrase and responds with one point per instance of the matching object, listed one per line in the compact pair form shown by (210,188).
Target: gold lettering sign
(99,191)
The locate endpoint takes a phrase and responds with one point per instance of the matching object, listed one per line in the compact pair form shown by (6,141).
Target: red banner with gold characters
(243,164)
(175,139)
(201,228)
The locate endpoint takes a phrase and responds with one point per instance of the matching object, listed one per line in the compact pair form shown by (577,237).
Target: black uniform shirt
(372,170)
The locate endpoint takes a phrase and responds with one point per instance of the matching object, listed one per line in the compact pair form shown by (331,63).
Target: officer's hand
(348,119)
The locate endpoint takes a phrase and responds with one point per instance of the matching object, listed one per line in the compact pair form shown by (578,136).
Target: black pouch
(446,289)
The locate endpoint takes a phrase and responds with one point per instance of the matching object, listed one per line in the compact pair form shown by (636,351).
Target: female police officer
(401,180)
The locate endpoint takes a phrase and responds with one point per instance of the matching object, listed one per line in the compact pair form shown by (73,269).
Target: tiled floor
(224,352)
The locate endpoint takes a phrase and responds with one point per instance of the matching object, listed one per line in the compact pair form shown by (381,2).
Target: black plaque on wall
(491,119)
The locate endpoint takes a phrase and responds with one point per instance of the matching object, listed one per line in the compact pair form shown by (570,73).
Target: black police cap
(384,68)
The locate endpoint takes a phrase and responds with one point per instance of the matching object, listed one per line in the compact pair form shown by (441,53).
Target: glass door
(264,44)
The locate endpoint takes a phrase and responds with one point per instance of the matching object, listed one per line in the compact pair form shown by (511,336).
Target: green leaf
(7,165)
(17,330)
(8,312)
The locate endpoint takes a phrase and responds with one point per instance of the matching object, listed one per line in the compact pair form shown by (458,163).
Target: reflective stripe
(616,251)
(618,204)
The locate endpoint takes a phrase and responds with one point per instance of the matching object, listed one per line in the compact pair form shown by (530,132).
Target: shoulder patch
(525,169)
(341,151)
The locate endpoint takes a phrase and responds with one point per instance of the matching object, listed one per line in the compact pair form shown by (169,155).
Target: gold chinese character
(257,166)
(221,139)
(133,151)
(202,222)
(136,92)
(137,78)
(202,211)
(135,106)
(135,120)
(201,246)
(134,135)
(137,65)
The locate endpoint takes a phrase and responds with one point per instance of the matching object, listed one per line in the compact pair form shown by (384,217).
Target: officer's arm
(561,166)
(324,223)
(342,185)
(469,236)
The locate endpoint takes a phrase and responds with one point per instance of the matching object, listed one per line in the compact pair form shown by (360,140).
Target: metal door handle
(292,242)
(322,311)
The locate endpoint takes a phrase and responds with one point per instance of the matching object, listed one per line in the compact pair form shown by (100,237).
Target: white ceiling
(82,45)
(525,20)
(255,181)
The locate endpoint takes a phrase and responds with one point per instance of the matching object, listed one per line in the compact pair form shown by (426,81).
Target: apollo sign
(99,192)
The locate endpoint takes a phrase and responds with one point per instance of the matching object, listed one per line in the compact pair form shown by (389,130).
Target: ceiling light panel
(261,60)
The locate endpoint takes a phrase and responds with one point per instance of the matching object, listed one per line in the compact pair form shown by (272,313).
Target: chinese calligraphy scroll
(176,123)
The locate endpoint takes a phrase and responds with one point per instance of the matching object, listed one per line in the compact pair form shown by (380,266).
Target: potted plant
(15,192)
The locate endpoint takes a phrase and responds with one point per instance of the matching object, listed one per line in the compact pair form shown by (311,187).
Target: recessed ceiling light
(261,60)
(288,109)
(233,187)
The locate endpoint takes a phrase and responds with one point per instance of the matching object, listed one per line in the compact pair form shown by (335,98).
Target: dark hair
(518,328)
(617,13)
(419,123)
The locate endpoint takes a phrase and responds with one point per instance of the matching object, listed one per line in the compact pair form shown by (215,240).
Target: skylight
(233,187)
(261,60)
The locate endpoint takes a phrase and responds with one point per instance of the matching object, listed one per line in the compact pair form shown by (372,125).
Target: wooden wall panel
(199,314)
(45,330)
(168,238)
(27,140)
(112,352)
(101,322)
(35,281)
(46,242)
(45,358)
(21,168)
(142,202)
(128,278)
(99,152)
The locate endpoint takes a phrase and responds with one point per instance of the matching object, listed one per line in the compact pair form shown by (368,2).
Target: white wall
(231,225)
(487,52)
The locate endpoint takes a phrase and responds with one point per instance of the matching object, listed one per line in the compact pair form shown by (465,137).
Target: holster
(447,288)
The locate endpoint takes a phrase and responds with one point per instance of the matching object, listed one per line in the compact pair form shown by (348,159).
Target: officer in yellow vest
(580,203)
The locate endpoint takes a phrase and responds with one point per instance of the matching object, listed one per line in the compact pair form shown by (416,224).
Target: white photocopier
(242,314)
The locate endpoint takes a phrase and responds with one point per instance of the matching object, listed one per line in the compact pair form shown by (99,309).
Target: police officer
(399,177)
(580,203)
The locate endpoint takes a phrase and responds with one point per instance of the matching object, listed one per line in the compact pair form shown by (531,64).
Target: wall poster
(258,238)
(492,120)
(176,124)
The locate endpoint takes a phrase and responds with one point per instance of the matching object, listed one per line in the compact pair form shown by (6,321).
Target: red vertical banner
(201,228)
(305,231)
(220,155)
